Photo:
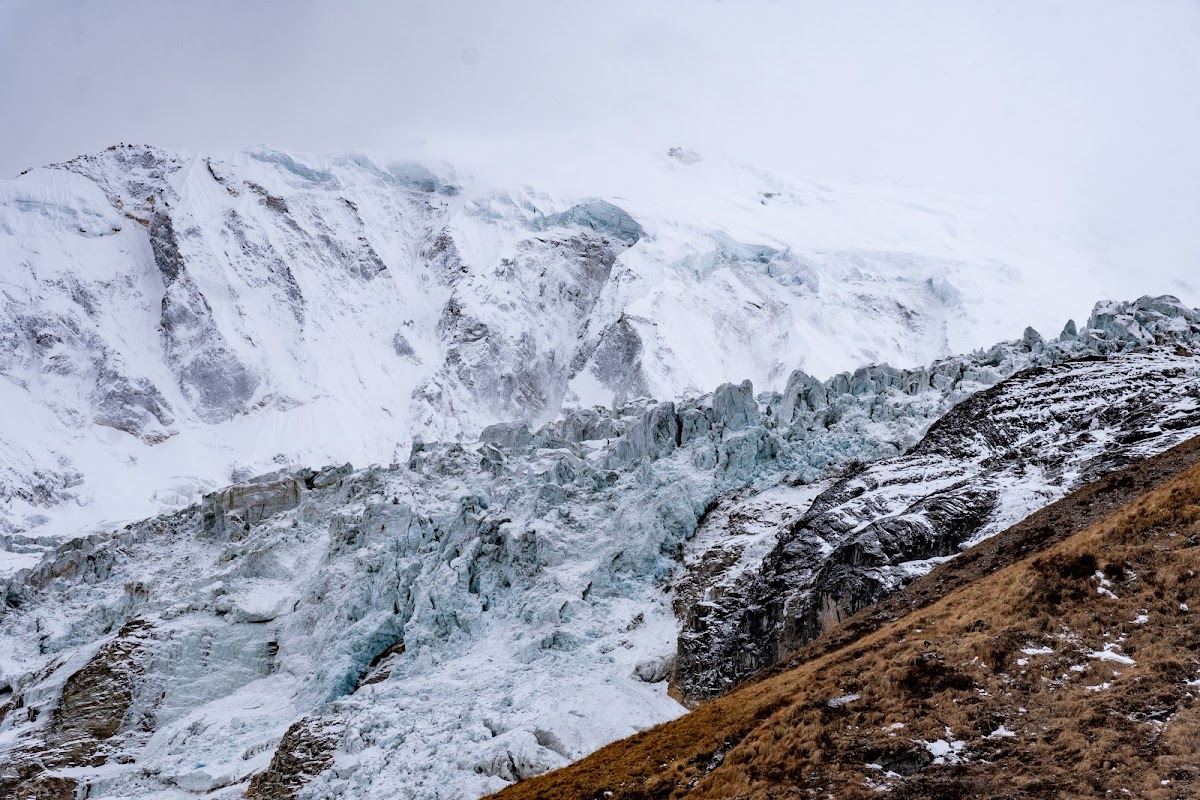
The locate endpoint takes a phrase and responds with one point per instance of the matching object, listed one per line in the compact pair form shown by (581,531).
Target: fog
(1093,104)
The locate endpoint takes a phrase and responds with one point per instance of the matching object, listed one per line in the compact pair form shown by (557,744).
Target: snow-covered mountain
(482,612)
(172,323)
(603,444)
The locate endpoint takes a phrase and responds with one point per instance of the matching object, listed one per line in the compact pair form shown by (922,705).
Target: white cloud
(1090,104)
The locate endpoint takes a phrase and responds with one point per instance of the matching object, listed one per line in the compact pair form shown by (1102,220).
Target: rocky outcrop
(214,379)
(305,751)
(93,706)
(523,373)
(132,405)
(615,360)
(230,513)
(878,526)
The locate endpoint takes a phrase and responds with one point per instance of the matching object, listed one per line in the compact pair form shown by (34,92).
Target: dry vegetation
(855,718)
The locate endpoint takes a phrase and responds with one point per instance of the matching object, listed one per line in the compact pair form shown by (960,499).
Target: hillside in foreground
(1063,661)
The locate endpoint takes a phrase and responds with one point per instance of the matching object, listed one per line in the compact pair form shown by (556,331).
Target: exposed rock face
(131,405)
(876,527)
(305,751)
(95,700)
(615,361)
(47,787)
(523,373)
(93,706)
(685,155)
(230,513)
(213,378)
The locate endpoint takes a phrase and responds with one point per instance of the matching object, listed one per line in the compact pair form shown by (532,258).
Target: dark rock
(305,751)
(684,155)
(133,406)
(165,248)
(90,711)
(403,349)
(616,362)
(847,550)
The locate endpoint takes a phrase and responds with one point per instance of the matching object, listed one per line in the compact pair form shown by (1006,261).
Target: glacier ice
(526,385)
(172,320)
(479,612)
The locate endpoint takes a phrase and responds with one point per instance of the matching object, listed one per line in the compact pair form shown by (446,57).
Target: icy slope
(172,323)
(478,614)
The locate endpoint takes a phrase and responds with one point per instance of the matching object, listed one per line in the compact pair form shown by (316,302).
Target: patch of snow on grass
(1107,654)
(1038,651)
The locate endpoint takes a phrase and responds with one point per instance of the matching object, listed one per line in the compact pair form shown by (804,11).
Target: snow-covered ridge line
(992,460)
(474,614)
(173,323)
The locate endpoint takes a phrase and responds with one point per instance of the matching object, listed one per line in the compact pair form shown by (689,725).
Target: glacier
(479,612)
(325,476)
(172,323)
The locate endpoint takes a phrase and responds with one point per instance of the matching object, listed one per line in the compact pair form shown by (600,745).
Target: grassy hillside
(1061,659)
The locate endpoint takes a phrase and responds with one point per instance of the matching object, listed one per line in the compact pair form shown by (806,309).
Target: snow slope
(171,323)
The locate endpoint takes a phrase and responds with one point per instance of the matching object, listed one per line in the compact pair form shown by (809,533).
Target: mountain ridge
(174,323)
(595,471)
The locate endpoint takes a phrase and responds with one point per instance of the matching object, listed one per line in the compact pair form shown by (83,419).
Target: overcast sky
(1089,99)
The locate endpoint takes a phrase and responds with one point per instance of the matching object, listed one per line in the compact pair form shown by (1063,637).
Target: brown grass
(957,665)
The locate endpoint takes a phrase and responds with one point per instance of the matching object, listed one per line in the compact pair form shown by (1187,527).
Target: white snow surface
(1108,654)
(946,751)
(359,304)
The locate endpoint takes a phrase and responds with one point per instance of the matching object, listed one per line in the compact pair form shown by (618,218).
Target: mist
(1093,106)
